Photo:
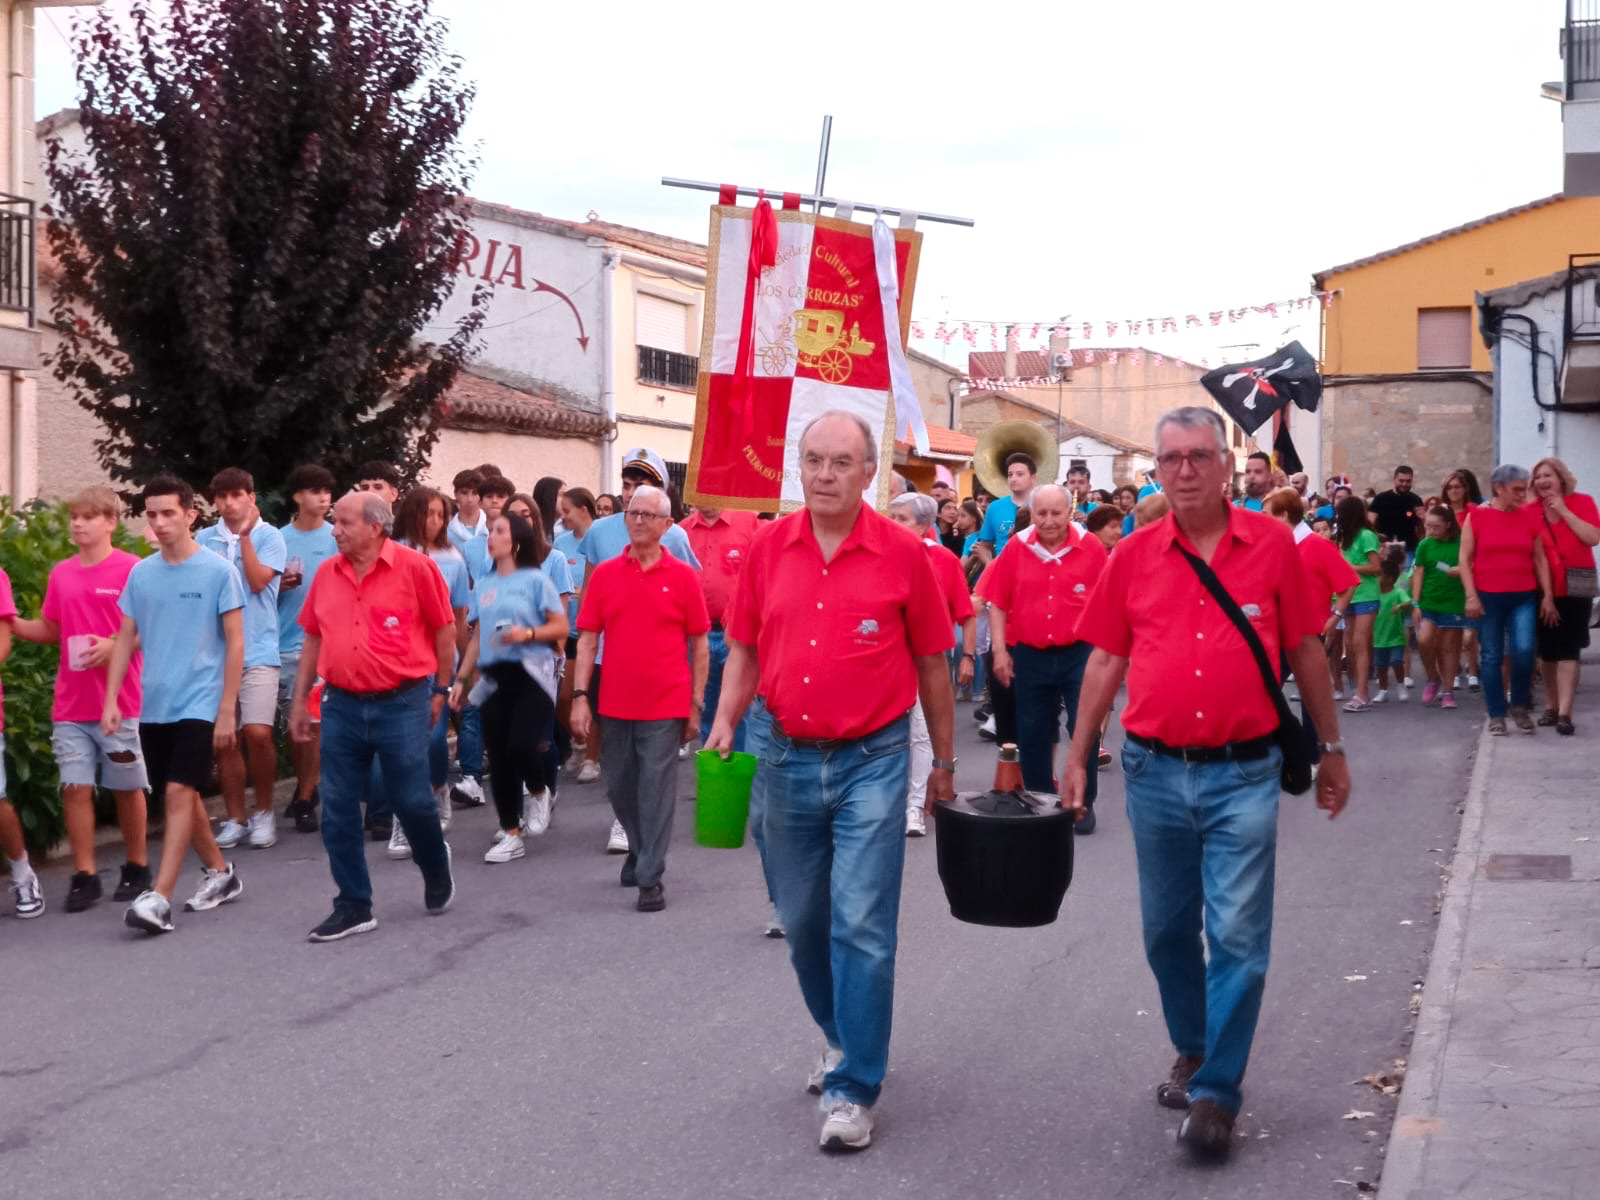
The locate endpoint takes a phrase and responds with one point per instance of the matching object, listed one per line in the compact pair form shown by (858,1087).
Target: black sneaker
(134,883)
(652,899)
(438,892)
(628,878)
(83,891)
(342,923)
(1085,824)
(380,829)
(304,813)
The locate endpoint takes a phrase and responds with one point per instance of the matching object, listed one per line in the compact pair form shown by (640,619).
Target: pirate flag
(1251,392)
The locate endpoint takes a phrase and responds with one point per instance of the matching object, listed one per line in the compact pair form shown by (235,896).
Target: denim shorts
(1365,608)
(1444,620)
(1388,656)
(288,668)
(86,757)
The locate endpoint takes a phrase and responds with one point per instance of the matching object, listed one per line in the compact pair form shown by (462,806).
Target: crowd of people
(562,633)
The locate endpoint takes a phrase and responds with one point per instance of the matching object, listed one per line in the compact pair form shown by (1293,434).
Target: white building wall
(1097,456)
(1523,432)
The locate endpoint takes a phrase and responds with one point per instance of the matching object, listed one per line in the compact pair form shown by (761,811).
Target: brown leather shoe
(1207,1131)
(1173,1092)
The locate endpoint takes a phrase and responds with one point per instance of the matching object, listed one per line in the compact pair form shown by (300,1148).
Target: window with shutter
(661,324)
(1444,339)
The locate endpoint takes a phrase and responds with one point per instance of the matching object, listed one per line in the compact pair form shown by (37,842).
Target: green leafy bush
(33,538)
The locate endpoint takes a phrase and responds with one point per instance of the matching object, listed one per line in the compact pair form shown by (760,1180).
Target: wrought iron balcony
(666,369)
(1580,48)
(18,271)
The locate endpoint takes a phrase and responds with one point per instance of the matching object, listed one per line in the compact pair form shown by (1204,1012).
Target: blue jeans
(758,726)
(469,742)
(1206,837)
(1512,615)
(355,734)
(1045,679)
(836,841)
(717,645)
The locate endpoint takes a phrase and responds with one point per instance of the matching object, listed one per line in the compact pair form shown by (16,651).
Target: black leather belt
(1232,752)
(822,743)
(716,627)
(372,697)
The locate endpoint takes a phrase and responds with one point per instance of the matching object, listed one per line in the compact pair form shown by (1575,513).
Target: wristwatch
(439,690)
(584,692)
(944,764)
(1332,748)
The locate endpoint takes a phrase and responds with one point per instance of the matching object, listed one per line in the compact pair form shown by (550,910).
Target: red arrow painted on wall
(540,285)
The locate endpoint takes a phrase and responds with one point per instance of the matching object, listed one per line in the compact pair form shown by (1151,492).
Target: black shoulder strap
(1242,623)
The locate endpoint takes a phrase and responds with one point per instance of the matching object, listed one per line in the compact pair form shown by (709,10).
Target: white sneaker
(589,772)
(507,848)
(916,823)
(1473,683)
(775,927)
(575,760)
(230,833)
(149,912)
(27,894)
(1382,697)
(846,1126)
(830,1059)
(536,812)
(1410,682)
(684,751)
(1401,695)
(1338,693)
(263,830)
(216,887)
(1461,682)
(399,844)
(618,841)
(467,792)
(441,797)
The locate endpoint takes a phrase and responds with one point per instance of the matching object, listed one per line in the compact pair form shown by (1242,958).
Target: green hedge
(33,538)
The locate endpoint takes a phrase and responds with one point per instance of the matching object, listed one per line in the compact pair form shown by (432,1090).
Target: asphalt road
(544,1039)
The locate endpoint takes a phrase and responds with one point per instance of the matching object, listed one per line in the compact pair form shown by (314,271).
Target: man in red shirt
(1036,592)
(1201,758)
(381,634)
(720,539)
(920,514)
(839,619)
(649,606)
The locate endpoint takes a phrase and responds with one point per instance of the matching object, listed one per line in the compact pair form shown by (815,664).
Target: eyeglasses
(814,462)
(635,514)
(1173,460)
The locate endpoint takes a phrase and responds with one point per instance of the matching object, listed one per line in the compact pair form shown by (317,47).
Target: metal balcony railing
(18,270)
(666,369)
(1582,319)
(1580,44)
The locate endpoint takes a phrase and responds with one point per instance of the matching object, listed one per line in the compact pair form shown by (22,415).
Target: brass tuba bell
(1006,439)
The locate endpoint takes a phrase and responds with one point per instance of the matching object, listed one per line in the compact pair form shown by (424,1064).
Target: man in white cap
(607,538)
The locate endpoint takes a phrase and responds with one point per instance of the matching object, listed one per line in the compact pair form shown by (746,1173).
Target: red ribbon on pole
(763,253)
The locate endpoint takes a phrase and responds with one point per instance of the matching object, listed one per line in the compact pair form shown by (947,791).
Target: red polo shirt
(1043,599)
(1192,681)
(952,580)
(377,632)
(835,640)
(1327,574)
(721,546)
(648,615)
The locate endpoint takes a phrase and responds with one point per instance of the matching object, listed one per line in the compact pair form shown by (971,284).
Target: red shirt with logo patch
(836,640)
(648,615)
(1192,681)
(1043,600)
(721,546)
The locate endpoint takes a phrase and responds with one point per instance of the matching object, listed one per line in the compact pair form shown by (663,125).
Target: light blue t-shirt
(566,544)
(966,546)
(555,568)
(1127,525)
(525,597)
(461,537)
(608,537)
(999,519)
(1149,489)
(1248,502)
(178,608)
(260,608)
(312,547)
(453,567)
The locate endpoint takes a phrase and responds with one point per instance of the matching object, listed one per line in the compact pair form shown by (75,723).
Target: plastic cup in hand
(79,646)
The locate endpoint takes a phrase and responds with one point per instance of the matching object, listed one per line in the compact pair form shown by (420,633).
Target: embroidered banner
(794,326)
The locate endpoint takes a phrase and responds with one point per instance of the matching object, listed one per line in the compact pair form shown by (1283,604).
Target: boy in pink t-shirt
(24,883)
(80,613)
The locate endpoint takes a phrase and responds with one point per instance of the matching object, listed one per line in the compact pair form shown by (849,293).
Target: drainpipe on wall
(608,367)
(18,391)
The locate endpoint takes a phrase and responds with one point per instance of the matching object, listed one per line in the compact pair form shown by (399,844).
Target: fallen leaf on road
(1354,978)
(1408,922)
(1358,1114)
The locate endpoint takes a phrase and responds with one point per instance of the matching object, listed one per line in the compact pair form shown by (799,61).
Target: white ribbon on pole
(908,420)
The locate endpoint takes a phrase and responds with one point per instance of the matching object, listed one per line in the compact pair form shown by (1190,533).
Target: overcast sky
(1122,160)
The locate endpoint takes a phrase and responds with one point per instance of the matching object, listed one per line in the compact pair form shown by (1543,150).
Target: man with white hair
(839,620)
(919,514)
(381,634)
(649,606)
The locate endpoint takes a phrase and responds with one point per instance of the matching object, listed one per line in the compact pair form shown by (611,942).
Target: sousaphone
(1006,439)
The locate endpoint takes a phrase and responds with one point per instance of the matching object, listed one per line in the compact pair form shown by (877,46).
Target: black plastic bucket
(1005,858)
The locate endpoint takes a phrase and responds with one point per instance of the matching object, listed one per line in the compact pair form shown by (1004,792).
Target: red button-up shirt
(377,632)
(836,640)
(1192,681)
(952,580)
(1327,573)
(648,615)
(1043,599)
(721,547)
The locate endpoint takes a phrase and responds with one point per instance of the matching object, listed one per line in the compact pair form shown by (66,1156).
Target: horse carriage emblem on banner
(820,345)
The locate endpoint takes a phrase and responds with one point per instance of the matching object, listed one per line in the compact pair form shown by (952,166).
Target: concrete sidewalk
(1502,1093)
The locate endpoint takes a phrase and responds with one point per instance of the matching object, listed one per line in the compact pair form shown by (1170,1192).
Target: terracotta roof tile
(476,403)
(946,441)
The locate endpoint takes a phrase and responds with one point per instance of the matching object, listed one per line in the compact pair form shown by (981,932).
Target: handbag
(1582,583)
(1295,777)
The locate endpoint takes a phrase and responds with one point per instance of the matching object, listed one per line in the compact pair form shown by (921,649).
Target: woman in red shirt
(1506,575)
(1572,523)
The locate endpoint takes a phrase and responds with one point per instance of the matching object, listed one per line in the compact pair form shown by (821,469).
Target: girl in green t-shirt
(1360,547)
(1441,602)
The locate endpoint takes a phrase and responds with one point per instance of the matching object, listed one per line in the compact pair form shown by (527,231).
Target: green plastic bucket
(722,798)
